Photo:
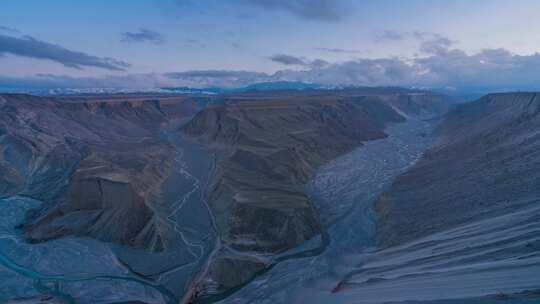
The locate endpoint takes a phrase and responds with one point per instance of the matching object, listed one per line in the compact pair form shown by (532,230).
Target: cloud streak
(389,35)
(33,48)
(8,29)
(338,50)
(141,36)
(289,60)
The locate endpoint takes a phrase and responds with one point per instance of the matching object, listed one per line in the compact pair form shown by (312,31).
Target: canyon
(288,196)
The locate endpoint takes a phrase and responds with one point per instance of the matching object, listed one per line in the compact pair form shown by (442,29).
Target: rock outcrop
(267,149)
(95,162)
(108,198)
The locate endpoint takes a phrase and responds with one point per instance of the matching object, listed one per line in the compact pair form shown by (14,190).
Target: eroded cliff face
(109,198)
(267,149)
(97,164)
(484,162)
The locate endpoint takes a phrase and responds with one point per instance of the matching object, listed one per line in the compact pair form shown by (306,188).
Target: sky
(458,45)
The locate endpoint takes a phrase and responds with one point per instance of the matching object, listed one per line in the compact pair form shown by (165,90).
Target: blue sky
(155,42)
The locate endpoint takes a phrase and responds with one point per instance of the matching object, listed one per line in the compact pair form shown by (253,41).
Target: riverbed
(84,270)
(343,191)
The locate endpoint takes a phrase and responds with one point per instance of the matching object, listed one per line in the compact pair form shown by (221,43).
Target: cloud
(338,50)
(48,81)
(389,35)
(143,35)
(8,29)
(488,69)
(288,60)
(235,44)
(441,65)
(316,10)
(217,78)
(422,35)
(190,42)
(33,48)
(213,74)
(318,63)
(361,72)
(436,45)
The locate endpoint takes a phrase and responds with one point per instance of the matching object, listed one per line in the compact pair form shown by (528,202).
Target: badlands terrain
(374,195)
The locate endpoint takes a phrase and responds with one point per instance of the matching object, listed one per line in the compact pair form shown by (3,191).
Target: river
(343,191)
(84,270)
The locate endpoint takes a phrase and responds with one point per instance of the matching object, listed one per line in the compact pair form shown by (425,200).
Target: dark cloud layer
(33,48)
(288,60)
(317,10)
(143,35)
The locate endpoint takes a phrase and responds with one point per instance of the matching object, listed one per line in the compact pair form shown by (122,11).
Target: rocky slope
(95,162)
(460,225)
(483,163)
(268,147)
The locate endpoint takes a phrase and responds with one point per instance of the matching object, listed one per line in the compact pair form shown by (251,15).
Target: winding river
(58,267)
(87,270)
(83,270)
